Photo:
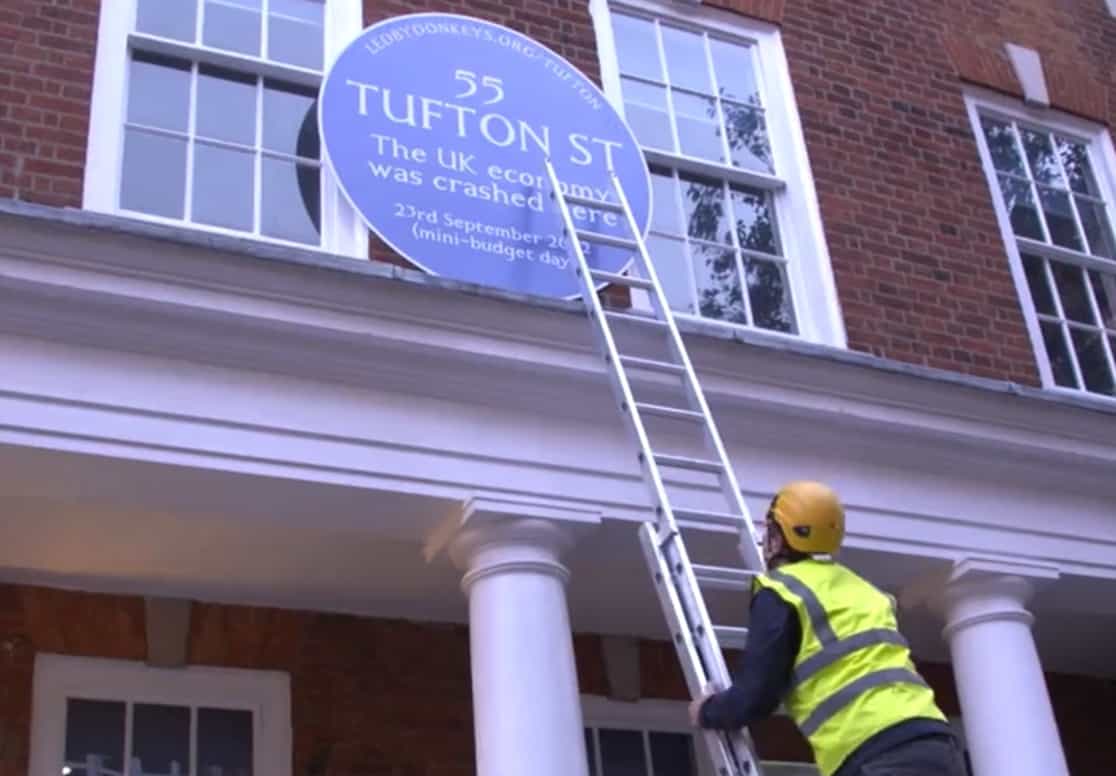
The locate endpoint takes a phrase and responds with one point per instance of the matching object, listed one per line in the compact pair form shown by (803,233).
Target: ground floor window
(653,738)
(118,718)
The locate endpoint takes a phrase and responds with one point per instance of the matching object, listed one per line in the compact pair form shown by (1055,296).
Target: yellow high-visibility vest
(853,675)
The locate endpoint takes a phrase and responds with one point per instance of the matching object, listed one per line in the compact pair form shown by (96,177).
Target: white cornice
(323,317)
(328,325)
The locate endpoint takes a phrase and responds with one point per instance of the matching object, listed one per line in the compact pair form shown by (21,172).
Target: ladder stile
(677,580)
(729,485)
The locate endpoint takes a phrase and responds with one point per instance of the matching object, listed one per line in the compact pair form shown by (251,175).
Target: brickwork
(46,76)
(766,10)
(372,697)
(563,25)
(921,270)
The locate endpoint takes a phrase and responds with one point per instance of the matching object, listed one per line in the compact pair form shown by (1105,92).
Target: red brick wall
(46,75)
(920,268)
(392,697)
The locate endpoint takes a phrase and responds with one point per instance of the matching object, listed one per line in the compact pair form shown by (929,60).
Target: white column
(1009,723)
(526,706)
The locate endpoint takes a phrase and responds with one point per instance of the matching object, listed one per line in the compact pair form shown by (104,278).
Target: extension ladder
(677,581)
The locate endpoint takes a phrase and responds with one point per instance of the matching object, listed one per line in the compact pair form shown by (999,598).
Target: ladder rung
(731,636)
(646,320)
(651,365)
(706,517)
(694,464)
(608,239)
(724,577)
(707,527)
(595,204)
(676,413)
(632,281)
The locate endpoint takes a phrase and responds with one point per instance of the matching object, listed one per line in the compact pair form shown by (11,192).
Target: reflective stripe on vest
(852,676)
(847,694)
(836,650)
(813,606)
(833,648)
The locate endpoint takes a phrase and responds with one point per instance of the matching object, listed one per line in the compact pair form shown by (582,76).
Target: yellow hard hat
(811,516)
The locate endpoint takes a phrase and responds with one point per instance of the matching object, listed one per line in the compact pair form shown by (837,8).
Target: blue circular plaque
(438,126)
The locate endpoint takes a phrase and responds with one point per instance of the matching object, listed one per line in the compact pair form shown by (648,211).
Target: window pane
(291,201)
(290,120)
(704,205)
(160,739)
(747,137)
(718,284)
(1059,219)
(646,112)
(1092,360)
(1058,352)
(153,179)
(1021,206)
(1071,289)
(672,754)
(664,196)
(226,106)
(1040,289)
(686,62)
(755,228)
(769,295)
(673,270)
(94,736)
(637,47)
(168,18)
(225,742)
(302,10)
(233,25)
(1098,229)
(732,63)
(698,131)
(1075,159)
(159,92)
(622,753)
(1104,288)
(223,187)
(1002,146)
(295,33)
(1040,155)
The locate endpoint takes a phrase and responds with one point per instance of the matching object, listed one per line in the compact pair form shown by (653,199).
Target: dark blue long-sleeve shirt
(763,678)
(763,675)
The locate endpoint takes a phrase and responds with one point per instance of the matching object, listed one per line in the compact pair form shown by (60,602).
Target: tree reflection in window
(1053,202)
(722,253)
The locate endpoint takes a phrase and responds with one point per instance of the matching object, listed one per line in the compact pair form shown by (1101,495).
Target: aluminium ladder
(677,580)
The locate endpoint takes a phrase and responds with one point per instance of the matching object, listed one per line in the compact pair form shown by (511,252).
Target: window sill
(1081,395)
(24,221)
(211,229)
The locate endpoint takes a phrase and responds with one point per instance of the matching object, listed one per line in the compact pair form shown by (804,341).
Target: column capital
(498,535)
(976,589)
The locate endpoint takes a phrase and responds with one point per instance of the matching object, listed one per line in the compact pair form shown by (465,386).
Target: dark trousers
(932,756)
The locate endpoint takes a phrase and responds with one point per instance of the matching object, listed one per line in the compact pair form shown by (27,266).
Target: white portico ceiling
(124,527)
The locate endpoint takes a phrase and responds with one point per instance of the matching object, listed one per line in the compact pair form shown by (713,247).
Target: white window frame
(809,270)
(665,716)
(58,677)
(1102,156)
(342,230)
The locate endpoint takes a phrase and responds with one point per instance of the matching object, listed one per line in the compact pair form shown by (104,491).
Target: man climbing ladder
(825,642)
(821,636)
